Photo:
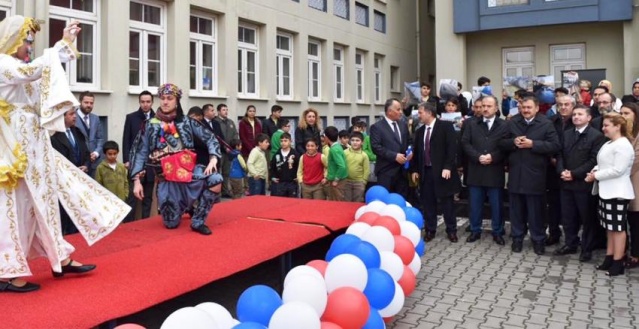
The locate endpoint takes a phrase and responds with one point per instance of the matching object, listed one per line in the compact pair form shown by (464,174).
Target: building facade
(341,57)
(498,38)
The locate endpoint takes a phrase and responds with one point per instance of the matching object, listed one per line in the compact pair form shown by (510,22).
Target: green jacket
(116,181)
(366,147)
(275,142)
(336,163)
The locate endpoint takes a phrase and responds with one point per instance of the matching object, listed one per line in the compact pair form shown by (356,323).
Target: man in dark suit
(531,140)
(389,140)
(485,173)
(210,122)
(433,169)
(90,126)
(133,124)
(72,145)
(577,158)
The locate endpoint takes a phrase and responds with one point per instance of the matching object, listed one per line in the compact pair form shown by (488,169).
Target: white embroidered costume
(33,176)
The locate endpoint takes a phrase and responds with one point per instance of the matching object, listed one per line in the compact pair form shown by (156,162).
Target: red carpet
(142,263)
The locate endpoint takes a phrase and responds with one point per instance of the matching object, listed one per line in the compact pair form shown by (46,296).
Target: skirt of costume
(613,214)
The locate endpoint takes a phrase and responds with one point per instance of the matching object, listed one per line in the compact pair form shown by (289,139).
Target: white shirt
(581,130)
(489,122)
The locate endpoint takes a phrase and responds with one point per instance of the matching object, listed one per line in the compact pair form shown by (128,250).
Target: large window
(247,61)
(341,8)
(147,46)
(82,73)
(338,73)
(566,57)
(284,66)
(203,55)
(314,70)
(359,76)
(518,62)
(377,67)
(361,14)
(380,21)
(318,4)
(394,78)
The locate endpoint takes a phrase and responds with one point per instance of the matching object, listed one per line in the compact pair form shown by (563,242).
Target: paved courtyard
(483,285)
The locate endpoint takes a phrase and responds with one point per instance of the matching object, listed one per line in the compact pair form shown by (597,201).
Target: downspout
(418,37)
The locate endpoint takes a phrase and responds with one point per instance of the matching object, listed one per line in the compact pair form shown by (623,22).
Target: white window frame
(315,60)
(146,29)
(9,6)
(200,41)
(338,64)
(377,69)
(360,84)
(245,48)
(394,78)
(568,64)
(87,18)
(519,66)
(280,56)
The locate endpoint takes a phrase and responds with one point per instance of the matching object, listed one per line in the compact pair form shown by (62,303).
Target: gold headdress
(13,32)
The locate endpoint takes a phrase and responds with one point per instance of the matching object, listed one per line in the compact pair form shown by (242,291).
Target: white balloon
(236,322)
(295,315)
(358,229)
(394,211)
(392,264)
(346,270)
(189,317)
(375,206)
(416,264)
(302,270)
(380,237)
(396,304)
(411,231)
(221,315)
(307,289)
(360,211)
(408,204)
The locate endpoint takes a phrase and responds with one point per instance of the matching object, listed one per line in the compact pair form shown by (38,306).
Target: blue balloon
(395,198)
(257,304)
(414,216)
(341,245)
(376,192)
(374,321)
(380,288)
(367,252)
(249,325)
(420,249)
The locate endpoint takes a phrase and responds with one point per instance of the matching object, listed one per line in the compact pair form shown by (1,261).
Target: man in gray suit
(89,125)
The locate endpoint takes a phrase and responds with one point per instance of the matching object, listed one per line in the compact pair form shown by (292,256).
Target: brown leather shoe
(429,236)
(452,237)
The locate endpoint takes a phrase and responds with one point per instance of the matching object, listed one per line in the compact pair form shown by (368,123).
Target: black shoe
(498,239)
(616,268)
(565,250)
(517,246)
(453,237)
(552,240)
(429,236)
(607,263)
(467,229)
(10,287)
(585,256)
(473,237)
(202,229)
(539,248)
(73,269)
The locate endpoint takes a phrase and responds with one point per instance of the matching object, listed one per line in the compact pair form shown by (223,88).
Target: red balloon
(388,319)
(404,249)
(319,265)
(390,223)
(330,325)
(407,281)
(368,217)
(347,307)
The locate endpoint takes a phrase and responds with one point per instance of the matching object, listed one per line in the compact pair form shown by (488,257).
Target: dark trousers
(397,183)
(429,204)
(526,212)
(633,227)
(67,225)
(477,196)
(285,189)
(553,218)
(147,201)
(575,212)
(257,186)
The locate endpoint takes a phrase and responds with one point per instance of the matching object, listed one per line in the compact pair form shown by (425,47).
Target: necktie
(70,137)
(427,148)
(396,130)
(86,120)
(487,121)
(577,133)
(147,115)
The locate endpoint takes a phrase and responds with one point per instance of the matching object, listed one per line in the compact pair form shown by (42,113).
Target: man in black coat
(213,125)
(577,158)
(485,174)
(133,124)
(530,140)
(389,141)
(433,168)
(269,125)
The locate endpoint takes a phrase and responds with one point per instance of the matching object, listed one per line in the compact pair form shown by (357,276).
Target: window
(318,4)
(82,73)
(380,22)
(314,70)
(6,8)
(394,78)
(518,62)
(359,76)
(203,54)
(502,3)
(566,57)
(361,14)
(247,61)
(147,47)
(338,73)
(341,8)
(377,67)
(284,66)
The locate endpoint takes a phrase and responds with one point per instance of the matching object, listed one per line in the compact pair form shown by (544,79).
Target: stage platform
(143,264)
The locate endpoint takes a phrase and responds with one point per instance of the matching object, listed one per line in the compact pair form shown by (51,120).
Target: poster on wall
(448,88)
(514,83)
(544,88)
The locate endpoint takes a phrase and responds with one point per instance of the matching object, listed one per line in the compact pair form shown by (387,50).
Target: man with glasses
(605,103)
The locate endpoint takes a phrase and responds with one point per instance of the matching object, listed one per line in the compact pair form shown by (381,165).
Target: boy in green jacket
(337,171)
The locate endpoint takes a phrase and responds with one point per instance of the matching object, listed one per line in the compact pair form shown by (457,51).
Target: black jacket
(280,167)
(269,127)
(478,140)
(133,123)
(301,135)
(78,155)
(527,167)
(579,156)
(552,180)
(386,145)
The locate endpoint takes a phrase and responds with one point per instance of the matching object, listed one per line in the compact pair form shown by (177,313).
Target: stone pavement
(483,285)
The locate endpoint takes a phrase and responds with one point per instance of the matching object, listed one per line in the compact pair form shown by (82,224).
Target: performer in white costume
(34,95)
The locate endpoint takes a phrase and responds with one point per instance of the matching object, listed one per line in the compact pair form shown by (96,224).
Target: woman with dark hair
(249,128)
(634,96)
(308,128)
(630,111)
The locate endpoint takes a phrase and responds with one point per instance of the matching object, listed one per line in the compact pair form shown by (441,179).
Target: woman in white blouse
(614,187)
